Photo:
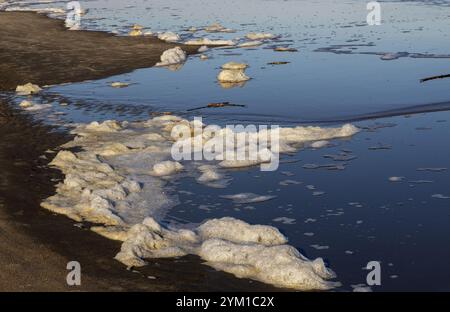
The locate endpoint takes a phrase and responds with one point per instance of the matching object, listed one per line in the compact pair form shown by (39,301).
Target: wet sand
(38,49)
(35,244)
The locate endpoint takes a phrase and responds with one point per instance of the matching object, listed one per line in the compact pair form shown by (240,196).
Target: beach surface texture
(41,50)
(36,246)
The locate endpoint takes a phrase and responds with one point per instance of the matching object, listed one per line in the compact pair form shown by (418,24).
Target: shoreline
(36,244)
(43,242)
(41,50)
(384,192)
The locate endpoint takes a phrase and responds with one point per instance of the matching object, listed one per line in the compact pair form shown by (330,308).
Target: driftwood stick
(220,104)
(435,77)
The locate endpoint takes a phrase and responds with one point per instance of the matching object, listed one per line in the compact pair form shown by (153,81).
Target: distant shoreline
(41,50)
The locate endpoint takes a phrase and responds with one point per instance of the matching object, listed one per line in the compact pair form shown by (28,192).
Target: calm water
(358,215)
(314,86)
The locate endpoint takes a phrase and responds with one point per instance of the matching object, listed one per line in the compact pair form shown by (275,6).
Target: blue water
(313,86)
(361,216)
(362,212)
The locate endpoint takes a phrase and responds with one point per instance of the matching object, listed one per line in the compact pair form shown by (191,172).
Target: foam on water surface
(303,25)
(172,57)
(28,89)
(119,181)
(296,82)
(247,251)
(169,37)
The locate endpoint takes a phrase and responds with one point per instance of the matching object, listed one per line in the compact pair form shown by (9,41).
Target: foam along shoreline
(38,49)
(110,182)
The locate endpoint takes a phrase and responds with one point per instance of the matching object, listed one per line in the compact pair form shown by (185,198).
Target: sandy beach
(38,49)
(36,244)
(349,192)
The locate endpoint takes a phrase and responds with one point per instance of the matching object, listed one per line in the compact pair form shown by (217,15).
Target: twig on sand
(435,77)
(214,105)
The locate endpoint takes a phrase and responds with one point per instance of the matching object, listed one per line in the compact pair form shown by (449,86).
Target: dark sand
(36,245)
(40,50)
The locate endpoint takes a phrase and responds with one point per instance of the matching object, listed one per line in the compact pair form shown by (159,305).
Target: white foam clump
(216,27)
(232,76)
(94,191)
(286,220)
(118,84)
(209,42)
(109,181)
(211,177)
(288,140)
(26,104)
(30,106)
(37,107)
(320,144)
(172,57)
(304,134)
(248,251)
(169,36)
(233,72)
(396,179)
(28,89)
(248,198)
(440,196)
(202,49)
(248,44)
(106,126)
(136,30)
(165,168)
(135,33)
(234,66)
(259,36)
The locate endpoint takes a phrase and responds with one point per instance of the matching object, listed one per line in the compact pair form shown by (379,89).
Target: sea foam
(118,180)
